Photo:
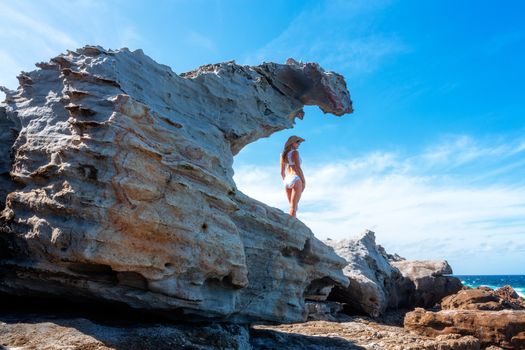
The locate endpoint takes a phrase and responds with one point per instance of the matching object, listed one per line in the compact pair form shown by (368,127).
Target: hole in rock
(132,279)
(88,171)
(257,165)
(204,227)
(318,289)
(98,272)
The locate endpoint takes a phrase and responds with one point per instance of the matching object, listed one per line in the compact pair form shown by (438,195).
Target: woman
(292,173)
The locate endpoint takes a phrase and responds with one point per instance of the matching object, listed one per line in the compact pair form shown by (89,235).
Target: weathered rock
(8,134)
(510,298)
(380,281)
(502,328)
(424,283)
(373,280)
(125,187)
(484,298)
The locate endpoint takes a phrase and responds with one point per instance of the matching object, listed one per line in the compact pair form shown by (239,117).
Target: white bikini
(291,179)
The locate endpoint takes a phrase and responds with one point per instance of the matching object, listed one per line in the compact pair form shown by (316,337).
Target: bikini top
(290,159)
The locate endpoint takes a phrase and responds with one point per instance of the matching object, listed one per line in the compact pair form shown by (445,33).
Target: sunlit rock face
(120,186)
(381,281)
(373,280)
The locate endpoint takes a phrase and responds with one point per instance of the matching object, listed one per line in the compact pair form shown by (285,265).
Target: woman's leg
(288,194)
(297,190)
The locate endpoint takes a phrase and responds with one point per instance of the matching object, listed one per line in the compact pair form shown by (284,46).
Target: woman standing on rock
(292,173)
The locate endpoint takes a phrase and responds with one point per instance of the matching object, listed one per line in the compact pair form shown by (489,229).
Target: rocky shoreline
(117,189)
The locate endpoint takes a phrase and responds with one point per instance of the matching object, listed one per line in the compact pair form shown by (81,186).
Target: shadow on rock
(54,324)
(268,340)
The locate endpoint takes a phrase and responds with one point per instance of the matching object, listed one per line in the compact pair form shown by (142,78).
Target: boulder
(484,298)
(424,282)
(510,298)
(381,281)
(373,280)
(121,187)
(505,328)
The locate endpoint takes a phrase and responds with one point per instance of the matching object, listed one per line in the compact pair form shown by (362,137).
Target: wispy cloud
(198,40)
(29,26)
(332,34)
(36,31)
(417,206)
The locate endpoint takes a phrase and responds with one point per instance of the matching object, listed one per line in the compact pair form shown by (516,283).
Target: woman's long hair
(288,147)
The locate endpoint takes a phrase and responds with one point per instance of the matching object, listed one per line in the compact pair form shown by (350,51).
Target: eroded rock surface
(381,281)
(121,186)
(373,280)
(8,133)
(425,282)
(484,298)
(504,328)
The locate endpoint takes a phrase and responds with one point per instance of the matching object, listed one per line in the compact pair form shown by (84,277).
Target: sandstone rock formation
(424,282)
(504,328)
(120,186)
(8,134)
(484,298)
(372,279)
(379,281)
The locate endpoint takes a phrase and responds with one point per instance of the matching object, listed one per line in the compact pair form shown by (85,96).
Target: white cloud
(459,150)
(415,213)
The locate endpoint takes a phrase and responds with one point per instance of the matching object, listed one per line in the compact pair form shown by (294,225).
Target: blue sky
(433,157)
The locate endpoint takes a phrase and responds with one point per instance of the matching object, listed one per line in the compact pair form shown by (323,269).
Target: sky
(432,160)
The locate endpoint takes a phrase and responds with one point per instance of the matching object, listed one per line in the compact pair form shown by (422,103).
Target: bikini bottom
(290,180)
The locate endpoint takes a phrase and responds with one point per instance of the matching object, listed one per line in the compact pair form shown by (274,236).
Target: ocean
(517,282)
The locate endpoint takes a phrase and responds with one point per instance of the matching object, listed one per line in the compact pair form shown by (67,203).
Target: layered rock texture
(117,183)
(380,281)
(494,317)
